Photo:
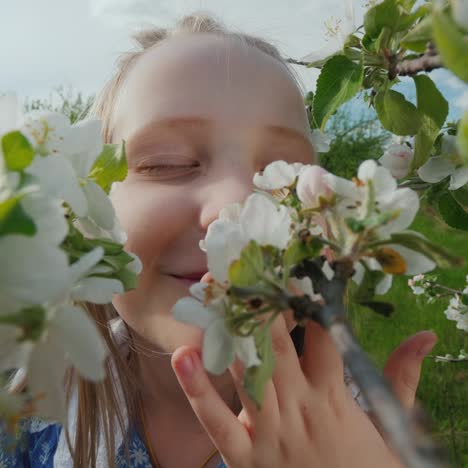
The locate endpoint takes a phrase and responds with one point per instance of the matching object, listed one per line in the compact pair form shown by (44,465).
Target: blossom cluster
(298,212)
(61,246)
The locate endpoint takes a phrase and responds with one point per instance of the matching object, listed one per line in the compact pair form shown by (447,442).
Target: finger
(403,368)
(321,361)
(262,421)
(287,374)
(227,433)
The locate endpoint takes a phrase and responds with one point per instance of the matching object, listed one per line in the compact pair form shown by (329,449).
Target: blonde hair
(98,404)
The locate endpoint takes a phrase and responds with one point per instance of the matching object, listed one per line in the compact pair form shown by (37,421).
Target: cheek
(151,216)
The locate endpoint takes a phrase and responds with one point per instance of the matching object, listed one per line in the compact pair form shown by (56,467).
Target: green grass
(443,390)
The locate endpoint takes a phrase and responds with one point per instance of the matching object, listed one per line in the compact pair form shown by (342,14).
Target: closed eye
(165,168)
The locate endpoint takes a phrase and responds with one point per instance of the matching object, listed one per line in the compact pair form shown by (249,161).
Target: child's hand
(308,417)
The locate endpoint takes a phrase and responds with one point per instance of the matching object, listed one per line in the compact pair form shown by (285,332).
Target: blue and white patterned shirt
(38,441)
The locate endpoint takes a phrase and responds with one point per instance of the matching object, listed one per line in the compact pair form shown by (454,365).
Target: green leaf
(434,110)
(430,100)
(17,151)
(461,196)
(255,378)
(396,114)
(384,14)
(299,250)
(339,80)
(129,278)
(31,320)
(452,213)
(462,138)
(247,270)
(110,166)
(451,43)
(14,220)
(118,261)
(442,257)
(464,299)
(418,37)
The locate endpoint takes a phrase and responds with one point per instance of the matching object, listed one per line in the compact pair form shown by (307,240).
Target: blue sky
(48,43)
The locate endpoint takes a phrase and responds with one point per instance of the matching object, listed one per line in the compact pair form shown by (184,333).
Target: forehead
(214,78)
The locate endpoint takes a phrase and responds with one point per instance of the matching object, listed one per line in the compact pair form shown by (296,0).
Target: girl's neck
(163,397)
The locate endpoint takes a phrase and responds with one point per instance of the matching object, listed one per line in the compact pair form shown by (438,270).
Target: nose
(234,186)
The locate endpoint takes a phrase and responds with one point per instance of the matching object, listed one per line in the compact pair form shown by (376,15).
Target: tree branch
(425,63)
(406,432)
(428,61)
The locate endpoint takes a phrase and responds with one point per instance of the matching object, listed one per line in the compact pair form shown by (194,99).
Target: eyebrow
(188,123)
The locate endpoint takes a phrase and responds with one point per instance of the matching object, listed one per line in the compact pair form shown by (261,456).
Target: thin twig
(406,432)
(424,63)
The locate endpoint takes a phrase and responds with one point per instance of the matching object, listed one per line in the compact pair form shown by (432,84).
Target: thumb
(403,367)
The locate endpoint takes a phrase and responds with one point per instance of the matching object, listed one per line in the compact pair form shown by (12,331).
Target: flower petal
(276,175)
(48,215)
(96,290)
(246,351)
(22,283)
(197,290)
(343,187)
(415,262)
(84,264)
(57,178)
(265,222)
(459,178)
(384,285)
(80,339)
(435,169)
(218,348)
(189,310)
(45,378)
(100,208)
(224,242)
(406,201)
(320,141)
(13,354)
(84,145)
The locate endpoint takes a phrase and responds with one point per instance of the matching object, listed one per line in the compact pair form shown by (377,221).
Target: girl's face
(200,115)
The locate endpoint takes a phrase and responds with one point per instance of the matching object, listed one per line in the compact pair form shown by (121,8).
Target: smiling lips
(190,278)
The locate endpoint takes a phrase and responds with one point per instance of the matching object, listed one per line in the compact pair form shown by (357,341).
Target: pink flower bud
(311,186)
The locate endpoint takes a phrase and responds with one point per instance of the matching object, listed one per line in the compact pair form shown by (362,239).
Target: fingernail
(186,366)
(425,349)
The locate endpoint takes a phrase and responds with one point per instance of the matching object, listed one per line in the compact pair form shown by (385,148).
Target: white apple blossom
(438,168)
(448,164)
(417,284)
(22,283)
(375,184)
(337,36)
(277,175)
(458,311)
(397,159)
(259,219)
(311,186)
(69,337)
(415,263)
(220,348)
(320,141)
